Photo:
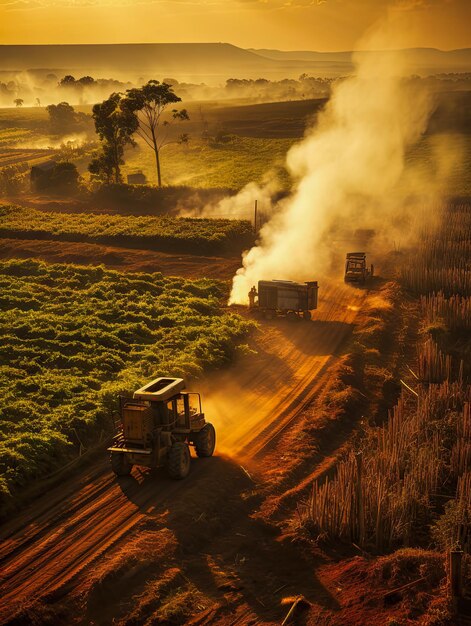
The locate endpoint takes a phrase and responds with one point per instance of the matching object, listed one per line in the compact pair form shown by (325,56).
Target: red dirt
(123,259)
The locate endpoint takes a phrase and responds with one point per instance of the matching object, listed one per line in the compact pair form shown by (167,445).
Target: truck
(157,426)
(356,270)
(284,297)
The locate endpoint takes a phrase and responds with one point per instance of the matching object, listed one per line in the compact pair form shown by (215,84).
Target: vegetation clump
(73,338)
(156,232)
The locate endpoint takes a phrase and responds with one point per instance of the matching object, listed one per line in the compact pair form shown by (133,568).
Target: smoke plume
(350,171)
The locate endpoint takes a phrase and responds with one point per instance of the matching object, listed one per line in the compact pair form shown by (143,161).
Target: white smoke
(240,206)
(350,171)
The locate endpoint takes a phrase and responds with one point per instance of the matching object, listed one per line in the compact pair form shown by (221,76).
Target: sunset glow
(295,24)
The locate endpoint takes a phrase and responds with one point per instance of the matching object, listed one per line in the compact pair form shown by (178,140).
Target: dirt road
(57,552)
(119,258)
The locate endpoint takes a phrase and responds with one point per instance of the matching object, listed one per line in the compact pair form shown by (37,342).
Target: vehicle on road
(157,426)
(356,270)
(283,297)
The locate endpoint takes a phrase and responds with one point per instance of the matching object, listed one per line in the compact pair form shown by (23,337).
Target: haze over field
(350,172)
(212,63)
(159,158)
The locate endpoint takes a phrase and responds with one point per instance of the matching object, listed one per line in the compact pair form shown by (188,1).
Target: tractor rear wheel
(178,461)
(119,464)
(205,440)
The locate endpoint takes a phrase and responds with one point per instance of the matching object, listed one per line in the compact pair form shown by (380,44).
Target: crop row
(384,496)
(73,338)
(389,492)
(163,232)
(442,258)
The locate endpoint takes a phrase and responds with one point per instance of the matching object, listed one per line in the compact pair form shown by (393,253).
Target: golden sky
(283,24)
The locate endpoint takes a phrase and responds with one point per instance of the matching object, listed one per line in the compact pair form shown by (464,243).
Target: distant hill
(420,60)
(206,62)
(181,58)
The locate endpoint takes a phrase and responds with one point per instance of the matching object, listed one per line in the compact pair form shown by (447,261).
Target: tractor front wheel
(119,464)
(178,461)
(205,440)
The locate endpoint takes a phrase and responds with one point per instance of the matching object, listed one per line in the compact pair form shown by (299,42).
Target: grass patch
(205,164)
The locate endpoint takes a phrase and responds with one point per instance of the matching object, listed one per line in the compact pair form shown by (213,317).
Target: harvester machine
(356,270)
(284,297)
(157,426)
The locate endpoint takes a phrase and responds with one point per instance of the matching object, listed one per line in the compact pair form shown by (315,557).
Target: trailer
(284,297)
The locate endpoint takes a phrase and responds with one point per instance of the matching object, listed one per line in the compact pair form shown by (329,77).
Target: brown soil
(123,259)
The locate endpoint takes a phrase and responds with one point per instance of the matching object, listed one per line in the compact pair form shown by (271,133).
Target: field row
(161,233)
(15,157)
(441,260)
(384,494)
(73,338)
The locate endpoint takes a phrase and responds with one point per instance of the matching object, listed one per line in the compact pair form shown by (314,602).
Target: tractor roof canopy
(160,389)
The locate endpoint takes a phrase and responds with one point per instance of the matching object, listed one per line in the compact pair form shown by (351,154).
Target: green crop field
(163,233)
(72,338)
(201,164)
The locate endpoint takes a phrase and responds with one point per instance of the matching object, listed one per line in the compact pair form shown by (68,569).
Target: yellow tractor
(157,427)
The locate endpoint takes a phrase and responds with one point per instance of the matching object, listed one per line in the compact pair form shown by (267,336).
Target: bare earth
(122,259)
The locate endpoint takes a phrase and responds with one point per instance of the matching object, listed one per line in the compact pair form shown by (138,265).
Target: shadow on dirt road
(223,550)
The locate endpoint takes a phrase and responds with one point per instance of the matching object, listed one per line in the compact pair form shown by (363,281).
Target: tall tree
(115,125)
(148,103)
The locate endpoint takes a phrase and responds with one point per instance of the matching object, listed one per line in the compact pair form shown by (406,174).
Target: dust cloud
(68,140)
(239,206)
(351,171)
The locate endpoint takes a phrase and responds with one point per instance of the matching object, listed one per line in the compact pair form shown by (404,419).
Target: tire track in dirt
(33,523)
(303,354)
(46,548)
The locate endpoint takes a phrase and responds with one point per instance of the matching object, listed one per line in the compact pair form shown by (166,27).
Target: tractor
(356,270)
(157,426)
